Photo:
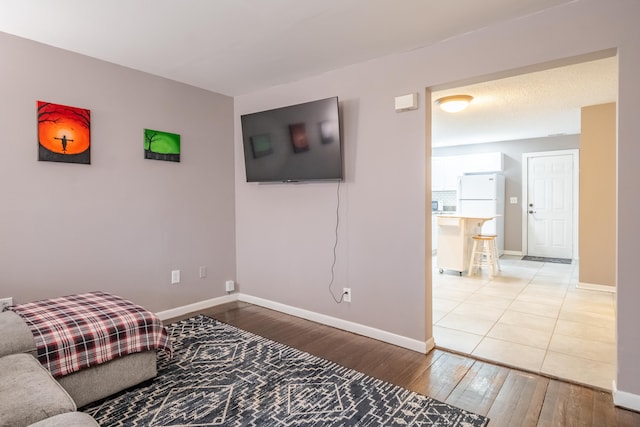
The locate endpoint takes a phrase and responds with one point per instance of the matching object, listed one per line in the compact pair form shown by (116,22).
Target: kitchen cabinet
(482,162)
(454,170)
(444,173)
(445,170)
(434,234)
(437,173)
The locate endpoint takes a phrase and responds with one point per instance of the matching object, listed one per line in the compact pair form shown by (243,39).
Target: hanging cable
(335,247)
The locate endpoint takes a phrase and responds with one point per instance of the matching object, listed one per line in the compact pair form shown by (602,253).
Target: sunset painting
(63,133)
(160,145)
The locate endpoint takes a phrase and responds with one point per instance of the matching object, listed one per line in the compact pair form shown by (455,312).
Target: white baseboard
(430,345)
(196,306)
(346,325)
(357,328)
(512,253)
(624,399)
(594,287)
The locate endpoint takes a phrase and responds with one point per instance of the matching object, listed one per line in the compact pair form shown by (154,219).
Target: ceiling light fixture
(454,103)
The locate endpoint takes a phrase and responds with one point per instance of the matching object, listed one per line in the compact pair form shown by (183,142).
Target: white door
(550,203)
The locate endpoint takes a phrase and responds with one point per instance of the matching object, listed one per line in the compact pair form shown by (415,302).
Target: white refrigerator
(482,195)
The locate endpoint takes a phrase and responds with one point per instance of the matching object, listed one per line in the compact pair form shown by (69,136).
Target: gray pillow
(15,335)
(28,392)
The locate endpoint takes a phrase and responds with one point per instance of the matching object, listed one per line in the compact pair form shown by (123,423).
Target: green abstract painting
(160,145)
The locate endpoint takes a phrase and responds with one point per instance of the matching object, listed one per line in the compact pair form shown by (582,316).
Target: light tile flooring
(530,316)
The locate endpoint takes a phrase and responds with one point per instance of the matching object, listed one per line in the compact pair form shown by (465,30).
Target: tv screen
(296,143)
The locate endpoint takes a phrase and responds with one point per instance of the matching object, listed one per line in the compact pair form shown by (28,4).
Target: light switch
(175,277)
(513,200)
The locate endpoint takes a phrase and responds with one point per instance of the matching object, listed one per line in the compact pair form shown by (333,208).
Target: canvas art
(63,133)
(160,145)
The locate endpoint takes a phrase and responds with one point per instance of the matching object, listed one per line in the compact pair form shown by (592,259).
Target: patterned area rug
(546,259)
(224,376)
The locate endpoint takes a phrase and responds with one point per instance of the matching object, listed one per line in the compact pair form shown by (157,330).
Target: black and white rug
(224,376)
(547,259)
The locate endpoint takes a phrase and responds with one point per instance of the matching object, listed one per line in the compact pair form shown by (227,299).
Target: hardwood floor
(507,396)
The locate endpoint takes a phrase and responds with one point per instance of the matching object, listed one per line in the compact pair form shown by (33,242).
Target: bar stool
(484,253)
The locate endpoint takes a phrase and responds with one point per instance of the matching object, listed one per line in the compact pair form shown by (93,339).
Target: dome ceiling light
(454,103)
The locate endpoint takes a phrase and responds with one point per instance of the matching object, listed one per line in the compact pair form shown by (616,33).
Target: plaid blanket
(79,331)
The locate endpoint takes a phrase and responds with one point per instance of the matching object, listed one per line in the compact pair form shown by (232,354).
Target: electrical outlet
(203,272)
(229,285)
(5,302)
(175,277)
(346,294)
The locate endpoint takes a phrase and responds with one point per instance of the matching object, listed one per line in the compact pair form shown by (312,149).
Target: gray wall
(285,233)
(513,151)
(122,223)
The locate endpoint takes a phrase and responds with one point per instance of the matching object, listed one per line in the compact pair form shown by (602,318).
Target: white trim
(430,344)
(357,328)
(594,287)
(624,399)
(346,325)
(513,253)
(196,306)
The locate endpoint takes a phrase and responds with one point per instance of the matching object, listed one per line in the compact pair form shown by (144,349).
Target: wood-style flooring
(509,397)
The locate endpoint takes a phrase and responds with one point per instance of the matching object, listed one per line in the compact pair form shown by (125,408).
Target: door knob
(532,212)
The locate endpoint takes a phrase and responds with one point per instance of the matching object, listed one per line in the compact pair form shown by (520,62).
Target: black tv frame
(295,143)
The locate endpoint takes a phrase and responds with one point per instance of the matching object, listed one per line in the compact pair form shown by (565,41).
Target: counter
(454,240)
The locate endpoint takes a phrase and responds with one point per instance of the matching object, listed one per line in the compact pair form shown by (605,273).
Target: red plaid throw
(79,331)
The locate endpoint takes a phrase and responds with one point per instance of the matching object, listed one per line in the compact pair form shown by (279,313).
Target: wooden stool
(484,253)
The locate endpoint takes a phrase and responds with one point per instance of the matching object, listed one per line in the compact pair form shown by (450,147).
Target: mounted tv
(296,143)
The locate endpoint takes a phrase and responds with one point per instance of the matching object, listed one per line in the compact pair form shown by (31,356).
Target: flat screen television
(295,143)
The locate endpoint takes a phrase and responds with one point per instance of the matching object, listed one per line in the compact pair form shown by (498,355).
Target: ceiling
(235,47)
(532,105)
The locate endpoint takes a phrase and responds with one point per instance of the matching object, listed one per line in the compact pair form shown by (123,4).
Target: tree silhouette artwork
(160,145)
(64,133)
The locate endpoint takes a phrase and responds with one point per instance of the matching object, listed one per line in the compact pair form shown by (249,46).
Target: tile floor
(530,316)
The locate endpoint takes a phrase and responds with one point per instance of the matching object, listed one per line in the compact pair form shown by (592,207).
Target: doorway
(549,194)
(532,315)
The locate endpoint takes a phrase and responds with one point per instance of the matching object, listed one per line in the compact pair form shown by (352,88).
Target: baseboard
(346,325)
(196,306)
(594,287)
(624,399)
(513,253)
(430,344)
(357,328)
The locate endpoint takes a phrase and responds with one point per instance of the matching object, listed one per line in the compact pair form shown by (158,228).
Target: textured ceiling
(235,47)
(531,105)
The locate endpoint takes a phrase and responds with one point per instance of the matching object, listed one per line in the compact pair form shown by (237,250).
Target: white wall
(122,223)
(285,232)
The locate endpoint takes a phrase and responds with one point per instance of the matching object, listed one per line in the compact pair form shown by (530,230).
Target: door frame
(575,153)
